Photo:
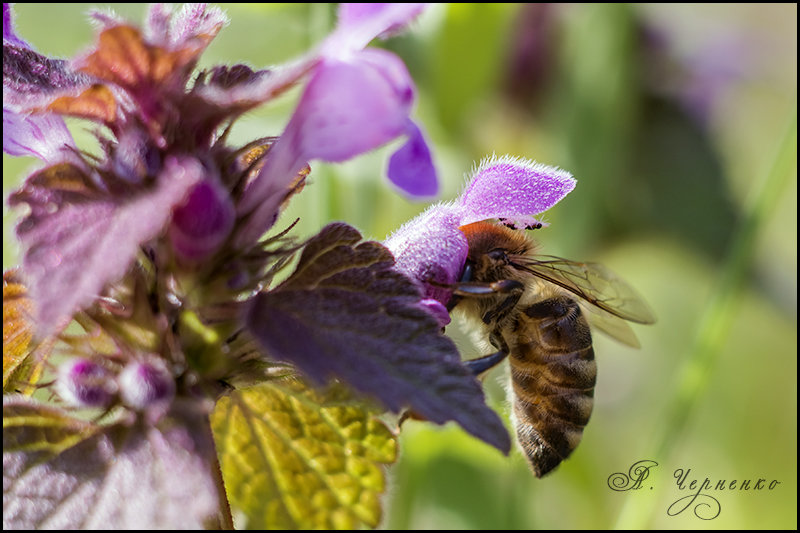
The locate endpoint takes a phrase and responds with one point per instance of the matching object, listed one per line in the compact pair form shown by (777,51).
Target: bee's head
(490,246)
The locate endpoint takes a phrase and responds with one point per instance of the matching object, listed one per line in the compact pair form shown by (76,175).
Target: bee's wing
(611,325)
(592,282)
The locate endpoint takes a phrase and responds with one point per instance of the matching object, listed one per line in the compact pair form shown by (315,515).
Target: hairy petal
(358,24)
(31,79)
(8,28)
(42,136)
(77,240)
(430,247)
(508,187)
(193,23)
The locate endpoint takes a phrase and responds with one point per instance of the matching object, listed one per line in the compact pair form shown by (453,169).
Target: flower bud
(202,224)
(84,383)
(145,384)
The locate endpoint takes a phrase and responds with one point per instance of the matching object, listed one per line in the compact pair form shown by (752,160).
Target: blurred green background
(679,123)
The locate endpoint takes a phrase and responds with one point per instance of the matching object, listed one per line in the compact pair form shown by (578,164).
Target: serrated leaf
(64,473)
(20,369)
(346,313)
(295,458)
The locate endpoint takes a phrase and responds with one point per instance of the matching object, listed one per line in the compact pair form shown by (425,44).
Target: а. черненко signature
(700,498)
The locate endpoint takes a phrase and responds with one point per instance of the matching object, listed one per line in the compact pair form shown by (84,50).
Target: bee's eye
(498,254)
(469,268)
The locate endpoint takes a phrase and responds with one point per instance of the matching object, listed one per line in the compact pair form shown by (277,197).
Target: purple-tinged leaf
(78,239)
(242,88)
(346,313)
(95,103)
(63,473)
(150,74)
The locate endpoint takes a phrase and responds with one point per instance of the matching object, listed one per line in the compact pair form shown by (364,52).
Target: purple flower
(146,384)
(355,101)
(24,73)
(432,248)
(84,383)
(165,167)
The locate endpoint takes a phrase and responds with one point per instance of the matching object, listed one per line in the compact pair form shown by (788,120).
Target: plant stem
(225,517)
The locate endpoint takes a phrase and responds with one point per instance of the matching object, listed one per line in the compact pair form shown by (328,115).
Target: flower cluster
(156,248)
(165,163)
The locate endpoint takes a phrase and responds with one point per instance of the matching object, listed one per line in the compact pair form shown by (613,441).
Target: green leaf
(31,427)
(20,368)
(63,473)
(292,457)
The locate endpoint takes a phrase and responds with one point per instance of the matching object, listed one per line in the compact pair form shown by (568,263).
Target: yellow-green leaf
(20,370)
(293,457)
(35,428)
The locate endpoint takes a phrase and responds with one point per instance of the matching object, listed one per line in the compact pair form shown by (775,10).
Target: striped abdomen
(553,375)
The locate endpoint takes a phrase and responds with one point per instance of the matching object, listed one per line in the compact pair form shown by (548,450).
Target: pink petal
(352,107)
(411,168)
(508,187)
(203,222)
(347,108)
(43,136)
(8,28)
(361,23)
(431,248)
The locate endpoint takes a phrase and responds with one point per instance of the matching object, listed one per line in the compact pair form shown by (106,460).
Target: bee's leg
(482,364)
(513,288)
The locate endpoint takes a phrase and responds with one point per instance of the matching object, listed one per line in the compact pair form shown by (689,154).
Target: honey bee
(536,310)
